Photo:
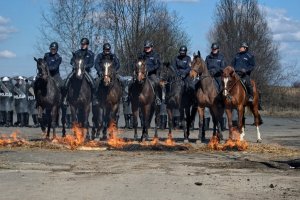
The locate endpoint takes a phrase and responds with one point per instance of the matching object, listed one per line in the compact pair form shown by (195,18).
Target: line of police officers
(22,93)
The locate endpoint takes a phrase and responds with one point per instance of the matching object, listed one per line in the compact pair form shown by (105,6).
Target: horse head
(42,69)
(140,70)
(229,78)
(198,66)
(79,67)
(108,72)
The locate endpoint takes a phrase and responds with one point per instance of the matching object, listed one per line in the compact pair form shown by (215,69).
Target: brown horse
(109,94)
(207,96)
(142,95)
(48,97)
(235,96)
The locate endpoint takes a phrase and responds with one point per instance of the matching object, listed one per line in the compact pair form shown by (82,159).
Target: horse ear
(73,54)
(36,60)
(199,54)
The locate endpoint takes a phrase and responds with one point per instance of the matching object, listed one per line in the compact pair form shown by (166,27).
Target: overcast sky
(20,19)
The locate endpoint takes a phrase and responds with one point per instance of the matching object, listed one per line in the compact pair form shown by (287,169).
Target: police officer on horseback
(88,57)
(106,55)
(215,63)
(53,60)
(244,64)
(152,60)
(183,64)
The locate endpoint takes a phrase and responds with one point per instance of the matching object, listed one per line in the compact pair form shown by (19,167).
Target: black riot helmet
(53,45)
(106,48)
(183,50)
(214,46)
(84,41)
(244,44)
(148,44)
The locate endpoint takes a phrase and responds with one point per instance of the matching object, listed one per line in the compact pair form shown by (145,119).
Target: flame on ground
(229,145)
(13,140)
(113,139)
(170,141)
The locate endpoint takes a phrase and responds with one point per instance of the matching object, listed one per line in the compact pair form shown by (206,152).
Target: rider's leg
(249,88)
(93,87)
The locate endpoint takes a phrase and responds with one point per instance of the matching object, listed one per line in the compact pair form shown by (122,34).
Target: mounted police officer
(182,64)
(215,63)
(53,60)
(152,60)
(106,54)
(6,101)
(88,56)
(244,64)
(21,103)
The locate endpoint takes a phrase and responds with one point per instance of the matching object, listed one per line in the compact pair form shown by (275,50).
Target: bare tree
(66,22)
(130,22)
(242,20)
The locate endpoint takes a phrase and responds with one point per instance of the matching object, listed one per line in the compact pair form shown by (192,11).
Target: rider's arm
(90,62)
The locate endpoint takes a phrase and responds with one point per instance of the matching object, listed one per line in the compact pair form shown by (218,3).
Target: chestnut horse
(207,96)
(142,96)
(235,96)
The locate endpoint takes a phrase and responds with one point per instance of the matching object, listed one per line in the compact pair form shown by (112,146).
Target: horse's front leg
(86,113)
(146,109)
(40,119)
(170,122)
(241,127)
(228,111)
(73,114)
(63,119)
(201,134)
(135,113)
(95,119)
(54,116)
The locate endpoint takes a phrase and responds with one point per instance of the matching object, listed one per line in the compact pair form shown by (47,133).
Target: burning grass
(13,140)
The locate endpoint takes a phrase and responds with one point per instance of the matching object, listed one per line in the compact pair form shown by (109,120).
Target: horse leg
(188,122)
(95,121)
(63,119)
(85,119)
(170,123)
(54,117)
(157,119)
(201,135)
(73,115)
(40,119)
(135,113)
(146,109)
(241,127)
(229,118)
(257,121)
(217,114)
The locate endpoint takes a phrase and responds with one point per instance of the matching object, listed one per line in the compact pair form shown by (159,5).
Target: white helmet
(5,78)
(20,78)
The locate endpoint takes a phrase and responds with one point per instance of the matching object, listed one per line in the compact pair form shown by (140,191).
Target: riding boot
(249,89)
(23,118)
(206,123)
(8,119)
(127,118)
(3,118)
(17,123)
(131,122)
(26,119)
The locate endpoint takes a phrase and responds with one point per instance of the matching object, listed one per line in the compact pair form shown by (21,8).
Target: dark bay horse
(48,97)
(142,96)
(177,97)
(207,96)
(109,95)
(235,96)
(79,95)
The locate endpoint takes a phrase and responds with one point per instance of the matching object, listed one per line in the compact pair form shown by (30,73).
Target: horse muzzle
(106,80)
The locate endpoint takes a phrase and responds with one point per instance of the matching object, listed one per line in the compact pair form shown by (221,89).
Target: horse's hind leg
(157,119)
(170,123)
(257,121)
(135,110)
(63,119)
(201,135)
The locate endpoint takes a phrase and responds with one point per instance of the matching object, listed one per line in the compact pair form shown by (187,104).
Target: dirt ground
(270,170)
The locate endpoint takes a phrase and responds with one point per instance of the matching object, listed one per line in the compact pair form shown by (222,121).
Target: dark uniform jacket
(101,57)
(183,65)
(244,63)
(152,60)
(215,64)
(88,58)
(53,61)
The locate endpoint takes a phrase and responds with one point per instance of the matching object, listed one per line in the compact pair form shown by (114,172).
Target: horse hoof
(104,138)
(186,141)
(259,141)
